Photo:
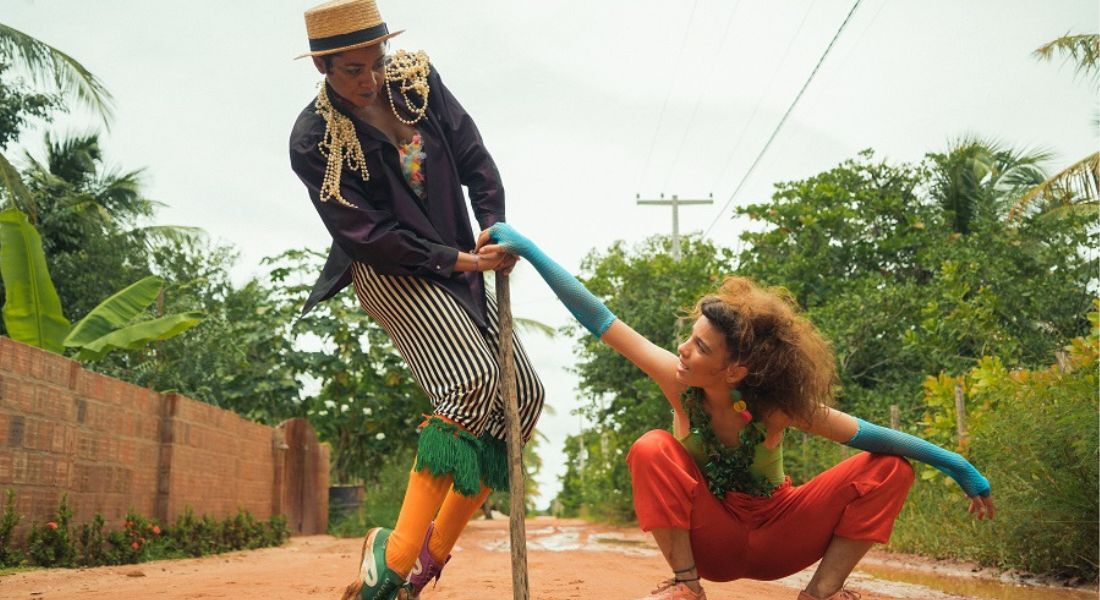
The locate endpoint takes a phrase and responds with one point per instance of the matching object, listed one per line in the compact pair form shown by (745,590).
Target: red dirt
(591,561)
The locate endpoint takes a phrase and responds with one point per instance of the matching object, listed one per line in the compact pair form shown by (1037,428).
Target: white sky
(583,105)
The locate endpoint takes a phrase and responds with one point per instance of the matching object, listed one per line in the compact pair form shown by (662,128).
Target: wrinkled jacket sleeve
(367,231)
(476,169)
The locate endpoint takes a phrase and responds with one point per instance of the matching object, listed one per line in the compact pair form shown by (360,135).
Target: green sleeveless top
(750,468)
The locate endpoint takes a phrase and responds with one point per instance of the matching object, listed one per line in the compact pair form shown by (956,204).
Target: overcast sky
(583,105)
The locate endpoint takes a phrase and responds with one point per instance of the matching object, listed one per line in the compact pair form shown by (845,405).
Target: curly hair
(790,364)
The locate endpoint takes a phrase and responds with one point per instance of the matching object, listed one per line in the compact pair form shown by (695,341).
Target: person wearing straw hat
(384,150)
(712,491)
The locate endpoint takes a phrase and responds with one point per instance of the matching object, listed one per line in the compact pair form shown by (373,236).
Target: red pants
(753,537)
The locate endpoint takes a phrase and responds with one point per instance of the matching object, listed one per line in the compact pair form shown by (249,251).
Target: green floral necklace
(727,469)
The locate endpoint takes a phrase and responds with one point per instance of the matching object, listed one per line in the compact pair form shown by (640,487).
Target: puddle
(570,538)
(974,587)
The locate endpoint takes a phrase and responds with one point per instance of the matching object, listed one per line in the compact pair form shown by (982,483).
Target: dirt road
(567,559)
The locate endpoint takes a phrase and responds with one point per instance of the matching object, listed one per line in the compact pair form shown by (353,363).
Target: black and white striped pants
(453,361)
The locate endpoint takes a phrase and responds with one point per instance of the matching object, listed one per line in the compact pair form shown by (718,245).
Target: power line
(671,85)
(763,94)
(783,120)
(698,101)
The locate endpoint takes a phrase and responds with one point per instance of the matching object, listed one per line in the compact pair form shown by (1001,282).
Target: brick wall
(112,446)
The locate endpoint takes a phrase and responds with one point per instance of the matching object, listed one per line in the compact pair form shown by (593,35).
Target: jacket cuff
(441,260)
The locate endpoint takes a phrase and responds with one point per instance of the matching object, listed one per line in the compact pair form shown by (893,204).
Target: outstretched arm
(658,363)
(857,433)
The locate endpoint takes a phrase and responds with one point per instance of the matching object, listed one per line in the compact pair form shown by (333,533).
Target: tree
(644,286)
(1079,183)
(33,313)
(883,266)
(48,68)
(92,221)
(979,180)
(51,67)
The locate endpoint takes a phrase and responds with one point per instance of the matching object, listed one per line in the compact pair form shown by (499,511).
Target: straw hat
(341,25)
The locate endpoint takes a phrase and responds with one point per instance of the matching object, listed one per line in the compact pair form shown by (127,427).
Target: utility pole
(675,203)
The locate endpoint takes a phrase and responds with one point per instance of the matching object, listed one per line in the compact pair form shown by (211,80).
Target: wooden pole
(960,413)
(1063,361)
(895,416)
(515,443)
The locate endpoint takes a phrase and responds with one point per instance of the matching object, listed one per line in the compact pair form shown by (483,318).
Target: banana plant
(109,326)
(32,310)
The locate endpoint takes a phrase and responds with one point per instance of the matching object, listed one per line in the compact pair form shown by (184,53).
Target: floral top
(412,164)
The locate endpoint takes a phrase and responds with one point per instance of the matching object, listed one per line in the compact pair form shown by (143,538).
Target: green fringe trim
(445,449)
(493,456)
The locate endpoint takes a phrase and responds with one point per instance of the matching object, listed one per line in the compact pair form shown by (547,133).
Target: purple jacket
(389,227)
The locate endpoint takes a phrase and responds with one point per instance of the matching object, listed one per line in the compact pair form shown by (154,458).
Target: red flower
(135,545)
(51,525)
(156,530)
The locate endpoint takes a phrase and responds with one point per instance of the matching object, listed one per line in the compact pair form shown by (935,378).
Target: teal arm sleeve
(873,438)
(586,307)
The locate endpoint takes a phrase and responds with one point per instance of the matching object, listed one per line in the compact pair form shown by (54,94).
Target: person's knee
(486,378)
(898,470)
(649,449)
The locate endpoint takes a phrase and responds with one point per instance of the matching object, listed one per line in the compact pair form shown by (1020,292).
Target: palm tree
(92,221)
(1084,49)
(49,66)
(51,69)
(978,180)
(1078,183)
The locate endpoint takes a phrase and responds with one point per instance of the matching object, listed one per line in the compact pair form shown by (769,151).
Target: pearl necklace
(410,72)
(340,145)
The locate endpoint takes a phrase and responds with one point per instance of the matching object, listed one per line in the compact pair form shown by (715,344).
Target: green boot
(376,580)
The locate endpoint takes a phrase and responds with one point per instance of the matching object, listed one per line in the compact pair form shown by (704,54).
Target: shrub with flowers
(129,544)
(57,543)
(48,545)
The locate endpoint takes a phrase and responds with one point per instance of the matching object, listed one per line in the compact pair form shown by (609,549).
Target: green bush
(49,545)
(195,536)
(57,544)
(10,556)
(91,544)
(1034,435)
(131,544)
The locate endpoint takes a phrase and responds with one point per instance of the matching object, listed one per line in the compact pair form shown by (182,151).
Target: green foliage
(872,252)
(645,288)
(49,544)
(1045,487)
(130,544)
(57,544)
(19,104)
(114,312)
(91,544)
(596,483)
(47,65)
(109,326)
(32,309)
(10,556)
